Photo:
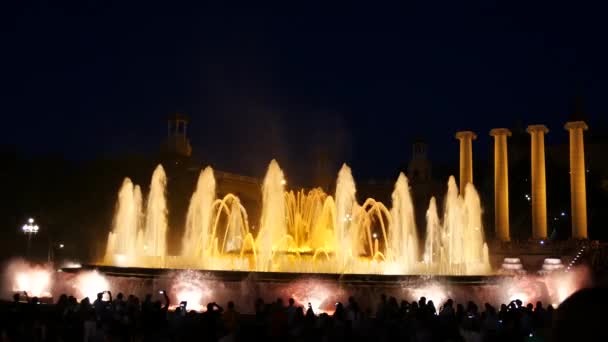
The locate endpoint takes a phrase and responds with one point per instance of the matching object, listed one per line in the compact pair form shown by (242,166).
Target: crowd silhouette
(128,319)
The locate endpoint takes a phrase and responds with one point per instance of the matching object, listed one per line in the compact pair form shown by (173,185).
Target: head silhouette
(578,319)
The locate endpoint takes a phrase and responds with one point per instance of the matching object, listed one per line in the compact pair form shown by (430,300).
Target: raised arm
(167,302)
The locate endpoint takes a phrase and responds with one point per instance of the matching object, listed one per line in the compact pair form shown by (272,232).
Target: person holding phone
(212,320)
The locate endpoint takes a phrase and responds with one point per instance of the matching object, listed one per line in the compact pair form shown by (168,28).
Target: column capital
(466,134)
(576,124)
(500,131)
(537,128)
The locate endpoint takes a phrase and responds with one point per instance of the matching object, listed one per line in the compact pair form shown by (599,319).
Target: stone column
(539,186)
(501,183)
(466,157)
(578,192)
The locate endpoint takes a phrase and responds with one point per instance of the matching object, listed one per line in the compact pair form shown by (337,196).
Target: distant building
(177,143)
(419,168)
(423,185)
(183,171)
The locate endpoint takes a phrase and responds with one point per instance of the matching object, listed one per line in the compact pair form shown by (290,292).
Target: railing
(234,176)
(539,247)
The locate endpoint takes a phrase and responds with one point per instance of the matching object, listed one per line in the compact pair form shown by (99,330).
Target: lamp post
(30,229)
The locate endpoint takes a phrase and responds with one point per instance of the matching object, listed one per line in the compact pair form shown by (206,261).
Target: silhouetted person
(291,311)
(422,302)
(297,326)
(156,325)
(88,316)
(278,321)
(382,307)
(460,313)
(431,308)
(15,317)
(580,317)
(212,321)
(352,310)
(231,319)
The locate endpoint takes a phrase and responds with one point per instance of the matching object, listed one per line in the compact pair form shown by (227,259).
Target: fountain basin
(323,290)
(223,275)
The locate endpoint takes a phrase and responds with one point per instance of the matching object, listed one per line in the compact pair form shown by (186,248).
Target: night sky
(85,79)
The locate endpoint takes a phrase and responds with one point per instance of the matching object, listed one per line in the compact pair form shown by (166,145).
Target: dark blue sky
(90,78)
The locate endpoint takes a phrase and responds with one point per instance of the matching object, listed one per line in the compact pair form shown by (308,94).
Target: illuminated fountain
(304,231)
(139,238)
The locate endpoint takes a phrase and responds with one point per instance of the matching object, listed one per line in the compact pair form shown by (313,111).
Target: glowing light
(527,288)
(283,182)
(35,280)
(433,291)
(61,245)
(562,285)
(519,295)
(542,242)
(348,218)
(189,286)
(90,283)
(563,214)
(321,296)
(30,227)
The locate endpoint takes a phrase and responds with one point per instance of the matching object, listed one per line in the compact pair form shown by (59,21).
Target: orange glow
(35,280)
(563,284)
(432,291)
(89,284)
(528,289)
(321,296)
(189,286)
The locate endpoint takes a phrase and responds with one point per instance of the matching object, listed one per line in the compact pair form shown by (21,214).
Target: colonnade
(578,197)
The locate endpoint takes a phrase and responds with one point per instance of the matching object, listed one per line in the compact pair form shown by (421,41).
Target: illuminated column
(539,187)
(466,157)
(501,183)
(578,193)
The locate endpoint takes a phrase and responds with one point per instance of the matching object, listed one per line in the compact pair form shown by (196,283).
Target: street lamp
(29,229)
